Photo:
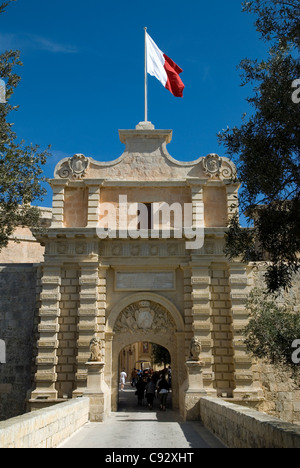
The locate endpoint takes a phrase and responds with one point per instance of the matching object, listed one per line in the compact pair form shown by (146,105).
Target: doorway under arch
(147,318)
(142,361)
(143,355)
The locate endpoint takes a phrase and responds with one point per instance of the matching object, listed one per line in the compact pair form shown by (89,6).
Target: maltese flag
(163,68)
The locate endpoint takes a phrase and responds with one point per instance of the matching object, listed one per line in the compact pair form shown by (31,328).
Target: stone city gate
(122,289)
(146,317)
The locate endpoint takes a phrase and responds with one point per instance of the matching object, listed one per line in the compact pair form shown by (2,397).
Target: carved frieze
(72,247)
(144,249)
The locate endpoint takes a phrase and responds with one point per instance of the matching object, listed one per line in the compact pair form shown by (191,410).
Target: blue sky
(83,73)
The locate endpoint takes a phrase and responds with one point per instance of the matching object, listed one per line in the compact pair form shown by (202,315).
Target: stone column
(48,328)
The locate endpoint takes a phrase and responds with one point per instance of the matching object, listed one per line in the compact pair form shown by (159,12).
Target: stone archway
(152,318)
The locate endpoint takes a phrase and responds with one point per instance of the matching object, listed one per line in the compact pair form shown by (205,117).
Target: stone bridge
(235,426)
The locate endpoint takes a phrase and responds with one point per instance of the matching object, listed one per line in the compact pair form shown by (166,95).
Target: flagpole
(146,84)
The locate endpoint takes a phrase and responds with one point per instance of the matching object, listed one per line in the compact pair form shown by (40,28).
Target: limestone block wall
(281,393)
(25,250)
(22,245)
(18,330)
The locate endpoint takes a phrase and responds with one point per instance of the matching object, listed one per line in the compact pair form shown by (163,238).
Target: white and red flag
(163,68)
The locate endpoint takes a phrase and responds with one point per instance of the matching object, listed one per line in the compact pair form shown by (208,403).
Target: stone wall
(17,329)
(240,427)
(22,245)
(281,392)
(46,428)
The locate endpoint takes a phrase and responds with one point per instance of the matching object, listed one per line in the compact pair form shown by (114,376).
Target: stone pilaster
(202,326)
(222,330)
(102,305)
(109,336)
(93,205)
(188,304)
(58,204)
(48,328)
(198,205)
(91,316)
(244,378)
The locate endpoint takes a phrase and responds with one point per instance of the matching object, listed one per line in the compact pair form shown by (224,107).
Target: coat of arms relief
(215,166)
(76,167)
(145,316)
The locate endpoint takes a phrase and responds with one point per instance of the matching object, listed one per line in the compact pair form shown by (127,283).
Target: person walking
(123,377)
(140,390)
(163,390)
(150,392)
(133,377)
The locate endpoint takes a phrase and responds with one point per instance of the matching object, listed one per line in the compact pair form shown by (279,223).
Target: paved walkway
(139,427)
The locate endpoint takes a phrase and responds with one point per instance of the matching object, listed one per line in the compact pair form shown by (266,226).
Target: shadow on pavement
(194,431)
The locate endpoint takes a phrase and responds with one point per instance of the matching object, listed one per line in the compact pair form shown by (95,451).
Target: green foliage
(20,165)
(161,355)
(271,330)
(276,19)
(266,148)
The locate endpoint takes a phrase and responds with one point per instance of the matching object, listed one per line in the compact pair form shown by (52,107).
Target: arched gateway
(146,317)
(129,282)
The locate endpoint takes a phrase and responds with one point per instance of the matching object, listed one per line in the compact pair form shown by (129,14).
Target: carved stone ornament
(75,167)
(195,349)
(78,165)
(96,350)
(145,316)
(212,164)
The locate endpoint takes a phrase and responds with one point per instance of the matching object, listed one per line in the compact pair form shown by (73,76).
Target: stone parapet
(46,428)
(241,427)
